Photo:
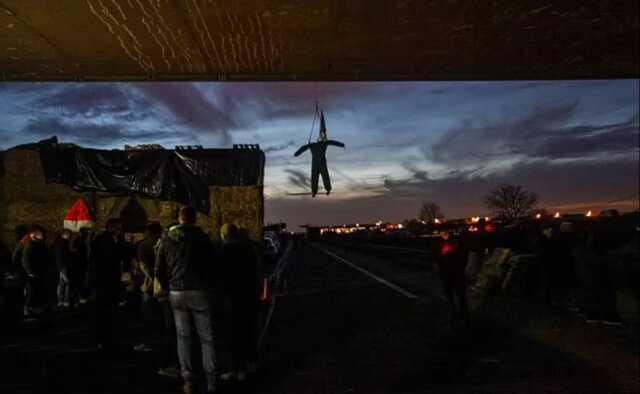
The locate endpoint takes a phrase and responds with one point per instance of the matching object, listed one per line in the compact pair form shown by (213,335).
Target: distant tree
(510,202)
(430,211)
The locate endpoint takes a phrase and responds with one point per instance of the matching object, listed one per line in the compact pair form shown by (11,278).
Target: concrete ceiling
(318,40)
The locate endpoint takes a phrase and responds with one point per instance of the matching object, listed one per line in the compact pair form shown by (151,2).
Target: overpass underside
(257,40)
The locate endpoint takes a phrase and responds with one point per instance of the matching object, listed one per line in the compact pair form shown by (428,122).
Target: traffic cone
(264,297)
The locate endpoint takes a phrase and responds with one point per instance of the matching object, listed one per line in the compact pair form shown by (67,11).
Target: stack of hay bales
(26,199)
(493,272)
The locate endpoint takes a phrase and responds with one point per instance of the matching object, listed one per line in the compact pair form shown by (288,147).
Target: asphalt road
(340,320)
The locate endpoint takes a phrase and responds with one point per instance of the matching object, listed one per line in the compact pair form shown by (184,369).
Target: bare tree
(430,211)
(510,202)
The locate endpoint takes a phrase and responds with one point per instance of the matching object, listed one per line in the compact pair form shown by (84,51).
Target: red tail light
(447,248)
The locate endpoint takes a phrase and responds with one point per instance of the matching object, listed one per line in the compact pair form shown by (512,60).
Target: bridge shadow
(368,339)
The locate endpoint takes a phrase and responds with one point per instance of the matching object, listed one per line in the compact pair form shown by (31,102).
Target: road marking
(371,275)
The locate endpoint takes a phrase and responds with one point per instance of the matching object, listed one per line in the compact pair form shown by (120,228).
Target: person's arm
(160,268)
(301,150)
(143,261)
(27,258)
(335,143)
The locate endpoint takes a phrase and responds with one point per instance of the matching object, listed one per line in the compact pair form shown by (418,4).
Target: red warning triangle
(78,216)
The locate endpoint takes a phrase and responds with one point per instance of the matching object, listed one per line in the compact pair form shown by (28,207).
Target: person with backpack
(240,277)
(184,267)
(105,261)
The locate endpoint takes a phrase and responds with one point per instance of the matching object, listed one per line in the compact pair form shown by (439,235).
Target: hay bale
(494,270)
(26,199)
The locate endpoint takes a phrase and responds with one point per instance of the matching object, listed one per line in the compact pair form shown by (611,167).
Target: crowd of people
(581,265)
(181,278)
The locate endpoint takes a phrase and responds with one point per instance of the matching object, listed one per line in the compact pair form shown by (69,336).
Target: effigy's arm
(301,150)
(335,143)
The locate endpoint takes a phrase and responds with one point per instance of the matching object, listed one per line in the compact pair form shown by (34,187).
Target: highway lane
(347,321)
(350,320)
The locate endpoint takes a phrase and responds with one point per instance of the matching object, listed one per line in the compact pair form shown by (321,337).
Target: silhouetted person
(5,259)
(240,278)
(319,158)
(35,259)
(607,236)
(168,361)
(105,261)
(80,251)
(557,260)
(12,290)
(146,258)
(451,259)
(64,263)
(184,267)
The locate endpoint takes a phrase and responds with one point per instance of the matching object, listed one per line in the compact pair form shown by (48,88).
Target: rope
(315,115)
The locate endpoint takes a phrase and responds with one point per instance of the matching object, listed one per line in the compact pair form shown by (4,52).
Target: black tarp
(182,176)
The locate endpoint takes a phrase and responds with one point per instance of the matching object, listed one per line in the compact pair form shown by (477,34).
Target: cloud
(88,132)
(417,173)
(578,185)
(298,178)
(555,182)
(471,144)
(543,132)
(581,141)
(87,100)
(276,148)
(189,106)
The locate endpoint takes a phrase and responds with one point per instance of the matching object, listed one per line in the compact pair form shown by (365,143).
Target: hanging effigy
(318,156)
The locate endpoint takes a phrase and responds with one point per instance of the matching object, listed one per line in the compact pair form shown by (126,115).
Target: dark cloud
(204,108)
(250,105)
(298,178)
(189,106)
(276,148)
(242,105)
(540,133)
(417,173)
(87,100)
(587,140)
(88,132)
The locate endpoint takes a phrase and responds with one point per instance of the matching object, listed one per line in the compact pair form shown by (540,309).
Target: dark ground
(335,329)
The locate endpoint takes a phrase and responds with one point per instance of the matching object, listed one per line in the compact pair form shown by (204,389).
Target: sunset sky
(575,143)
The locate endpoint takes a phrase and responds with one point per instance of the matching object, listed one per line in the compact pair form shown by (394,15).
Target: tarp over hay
(170,175)
(40,182)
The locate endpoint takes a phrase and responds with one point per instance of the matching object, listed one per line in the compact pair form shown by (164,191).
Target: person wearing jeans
(182,266)
(34,263)
(63,257)
(191,308)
